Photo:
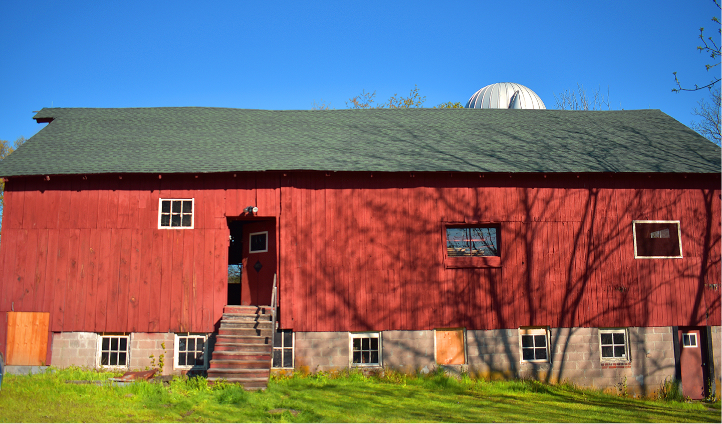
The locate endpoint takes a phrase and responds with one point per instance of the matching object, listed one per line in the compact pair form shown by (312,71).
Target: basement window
(534,344)
(175,213)
(365,349)
(190,351)
(613,344)
(283,349)
(657,239)
(471,246)
(113,351)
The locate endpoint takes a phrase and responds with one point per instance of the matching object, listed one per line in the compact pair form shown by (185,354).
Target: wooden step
(246,332)
(246,317)
(226,362)
(242,309)
(229,373)
(260,325)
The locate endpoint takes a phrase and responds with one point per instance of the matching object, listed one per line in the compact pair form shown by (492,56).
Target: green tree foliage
(709,46)
(450,105)
(709,113)
(366,100)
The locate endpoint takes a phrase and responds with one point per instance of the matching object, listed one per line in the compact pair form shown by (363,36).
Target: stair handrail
(273,314)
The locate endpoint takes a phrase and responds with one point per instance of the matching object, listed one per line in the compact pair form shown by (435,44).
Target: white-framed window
(365,349)
(534,344)
(283,349)
(657,239)
(258,242)
(614,344)
(113,350)
(191,351)
(175,213)
(689,339)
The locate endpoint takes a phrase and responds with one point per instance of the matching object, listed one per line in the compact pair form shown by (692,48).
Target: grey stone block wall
(408,351)
(716,346)
(322,351)
(143,345)
(77,348)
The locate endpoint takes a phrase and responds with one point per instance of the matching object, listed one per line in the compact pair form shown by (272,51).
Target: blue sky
(288,54)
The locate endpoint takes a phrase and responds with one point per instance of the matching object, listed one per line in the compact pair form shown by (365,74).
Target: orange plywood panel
(27,337)
(450,346)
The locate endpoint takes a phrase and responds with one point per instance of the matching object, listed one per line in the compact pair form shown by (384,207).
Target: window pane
(365,344)
(618,351)
(123,344)
(541,353)
(114,358)
(181,359)
(186,220)
(374,357)
(182,344)
(191,344)
(374,343)
(175,221)
(277,358)
(176,206)
(277,339)
(258,242)
(657,239)
(618,338)
(356,357)
(456,244)
(527,340)
(287,358)
(104,357)
(114,343)
(165,220)
(288,339)
(187,206)
(356,344)
(165,206)
(540,341)
(106,343)
(199,344)
(483,242)
(606,338)
(607,352)
(528,354)
(121,358)
(196,357)
(365,357)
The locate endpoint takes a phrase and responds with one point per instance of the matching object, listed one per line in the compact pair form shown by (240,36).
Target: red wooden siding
(361,251)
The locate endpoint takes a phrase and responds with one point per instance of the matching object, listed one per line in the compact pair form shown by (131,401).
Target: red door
(692,354)
(259,262)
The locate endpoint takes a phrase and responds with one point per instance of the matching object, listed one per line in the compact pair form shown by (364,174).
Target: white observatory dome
(505,95)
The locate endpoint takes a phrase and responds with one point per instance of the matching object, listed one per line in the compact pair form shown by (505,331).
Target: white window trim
(634,240)
(626,359)
(361,335)
(176,352)
(250,236)
(293,352)
(193,214)
(99,352)
(696,336)
(534,331)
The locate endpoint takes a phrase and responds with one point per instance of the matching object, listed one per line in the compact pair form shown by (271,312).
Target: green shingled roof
(195,139)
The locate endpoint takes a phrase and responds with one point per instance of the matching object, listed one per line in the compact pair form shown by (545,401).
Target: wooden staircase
(243,349)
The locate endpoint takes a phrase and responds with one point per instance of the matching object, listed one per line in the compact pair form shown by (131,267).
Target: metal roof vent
(505,95)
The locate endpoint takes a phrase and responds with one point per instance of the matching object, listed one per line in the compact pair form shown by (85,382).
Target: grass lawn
(325,398)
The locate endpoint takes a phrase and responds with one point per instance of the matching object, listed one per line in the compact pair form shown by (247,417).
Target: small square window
(365,349)
(534,344)
(471,246)
(657,239)
(113,351)
(689,339)
(175,213)
(283,349)
(258,242)
(191,350)
(613,344)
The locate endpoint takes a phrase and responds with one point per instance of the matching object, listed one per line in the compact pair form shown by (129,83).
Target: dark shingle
(176,140)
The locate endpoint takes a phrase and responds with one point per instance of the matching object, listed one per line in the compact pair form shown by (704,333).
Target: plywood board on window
(27,338)
(450,346)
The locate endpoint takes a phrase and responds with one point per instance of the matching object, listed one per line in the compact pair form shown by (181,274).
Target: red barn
(558,245)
